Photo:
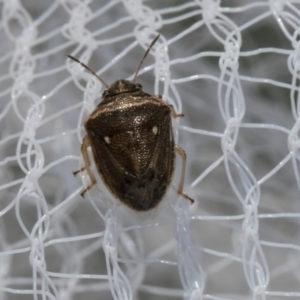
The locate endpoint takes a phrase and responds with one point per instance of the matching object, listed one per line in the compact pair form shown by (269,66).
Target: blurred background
(232,68)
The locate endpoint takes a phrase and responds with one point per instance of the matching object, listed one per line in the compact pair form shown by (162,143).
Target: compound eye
(139,86)
(105,93)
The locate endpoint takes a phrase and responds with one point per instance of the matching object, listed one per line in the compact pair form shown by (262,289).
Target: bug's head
(122,86)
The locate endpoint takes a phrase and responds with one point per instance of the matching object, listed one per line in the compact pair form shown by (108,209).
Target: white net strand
(232,105)
(232,68)
(190,271)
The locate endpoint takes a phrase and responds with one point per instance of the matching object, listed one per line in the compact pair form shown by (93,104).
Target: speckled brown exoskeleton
(130,133)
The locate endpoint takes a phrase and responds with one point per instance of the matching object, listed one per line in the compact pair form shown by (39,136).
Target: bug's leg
(78,171)
(175,115)
(181,152)
(85,144)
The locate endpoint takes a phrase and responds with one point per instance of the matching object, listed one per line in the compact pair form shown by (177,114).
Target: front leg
(175,115)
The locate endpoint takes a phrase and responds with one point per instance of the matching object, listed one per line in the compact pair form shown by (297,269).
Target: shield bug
(130,133)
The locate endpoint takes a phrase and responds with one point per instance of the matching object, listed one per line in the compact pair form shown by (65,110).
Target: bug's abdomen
(143,194)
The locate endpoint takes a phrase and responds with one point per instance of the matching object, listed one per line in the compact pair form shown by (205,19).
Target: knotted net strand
(233,69)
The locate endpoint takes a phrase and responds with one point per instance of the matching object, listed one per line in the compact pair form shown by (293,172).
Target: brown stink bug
(130,133)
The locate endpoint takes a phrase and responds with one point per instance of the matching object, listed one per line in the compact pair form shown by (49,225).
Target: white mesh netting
(233,69)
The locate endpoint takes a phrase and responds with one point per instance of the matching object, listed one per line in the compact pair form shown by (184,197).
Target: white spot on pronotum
(107,140)
(154,130)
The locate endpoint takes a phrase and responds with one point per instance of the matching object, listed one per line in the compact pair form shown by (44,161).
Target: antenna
(85,66)
(142,60)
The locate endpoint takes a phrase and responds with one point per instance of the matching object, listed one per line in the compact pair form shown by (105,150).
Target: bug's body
(130,133)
